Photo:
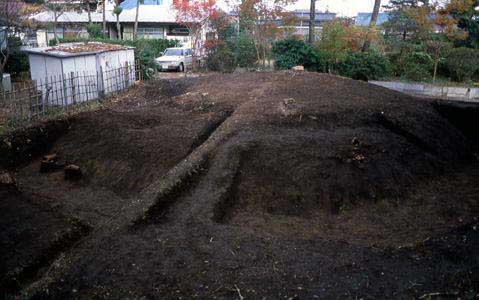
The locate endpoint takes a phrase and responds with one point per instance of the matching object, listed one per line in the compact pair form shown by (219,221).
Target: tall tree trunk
(372,24)
(88,11)
(135,29)
(118,28)
(104,18)
(312,20)
(54,25)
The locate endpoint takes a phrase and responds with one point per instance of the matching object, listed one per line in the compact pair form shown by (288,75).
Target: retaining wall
(460,93)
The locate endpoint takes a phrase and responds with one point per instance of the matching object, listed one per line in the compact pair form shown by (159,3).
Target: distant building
(363,19)
(302,21)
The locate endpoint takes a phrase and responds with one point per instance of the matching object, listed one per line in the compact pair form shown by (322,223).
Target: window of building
(151,32)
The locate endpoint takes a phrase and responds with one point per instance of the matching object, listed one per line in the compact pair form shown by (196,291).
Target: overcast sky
(341,7)
(348,8)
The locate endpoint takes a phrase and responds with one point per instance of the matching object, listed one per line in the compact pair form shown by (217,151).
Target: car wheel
(181,68)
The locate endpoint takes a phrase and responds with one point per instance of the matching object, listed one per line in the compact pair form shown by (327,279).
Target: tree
(117,11)
(264,21)
(10,12)
(427,26)
(195,15)
(372,24)
(88,9)
(13,18)
(466,13)
(401,25)
(312,20)
(58,8)
(135,29)
(104,18)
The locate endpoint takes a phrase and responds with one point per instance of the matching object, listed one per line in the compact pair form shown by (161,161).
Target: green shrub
(94,31)
(291,52)
(221,60)
(462,64)
(364,66)
(413,65)
(245,51)
(18,60)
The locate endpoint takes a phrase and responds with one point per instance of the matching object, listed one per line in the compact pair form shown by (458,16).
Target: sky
(348,8)
(344,8)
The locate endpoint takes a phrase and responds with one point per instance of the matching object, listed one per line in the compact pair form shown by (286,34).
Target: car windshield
(173,52)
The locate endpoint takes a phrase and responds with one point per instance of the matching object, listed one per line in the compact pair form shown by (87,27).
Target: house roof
(129,4)
(76,49)
(149,12)
(363,19)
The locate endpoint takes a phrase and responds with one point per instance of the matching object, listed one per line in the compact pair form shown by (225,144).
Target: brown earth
(259,185)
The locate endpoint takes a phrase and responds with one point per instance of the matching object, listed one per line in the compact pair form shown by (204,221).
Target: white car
(175,59)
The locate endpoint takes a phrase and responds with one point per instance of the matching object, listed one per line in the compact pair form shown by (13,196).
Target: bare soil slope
(277,185)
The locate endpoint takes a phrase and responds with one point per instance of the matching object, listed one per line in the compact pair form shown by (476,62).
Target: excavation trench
(239,201)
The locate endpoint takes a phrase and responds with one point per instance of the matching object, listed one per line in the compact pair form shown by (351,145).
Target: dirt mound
(311,141)
(258,185)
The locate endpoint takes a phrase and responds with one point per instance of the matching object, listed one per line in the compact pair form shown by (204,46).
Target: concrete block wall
(460,93)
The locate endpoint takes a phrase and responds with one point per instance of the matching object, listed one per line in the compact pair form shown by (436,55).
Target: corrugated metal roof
(76,49)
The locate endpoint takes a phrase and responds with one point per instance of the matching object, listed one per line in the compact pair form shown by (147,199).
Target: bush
(413,65)
(291,52)
(245,51)
(462,64)
(18,60)
(221,60)
(94,31)
(146,50)
(364,66)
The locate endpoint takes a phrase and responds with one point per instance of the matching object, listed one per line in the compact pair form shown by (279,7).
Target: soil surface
(279,185)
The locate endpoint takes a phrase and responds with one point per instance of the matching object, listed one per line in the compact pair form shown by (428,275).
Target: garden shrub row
(460,65)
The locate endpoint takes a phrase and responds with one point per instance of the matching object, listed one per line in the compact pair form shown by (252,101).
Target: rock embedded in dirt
(298,68)
(72,172)
(7,181)
(49,163)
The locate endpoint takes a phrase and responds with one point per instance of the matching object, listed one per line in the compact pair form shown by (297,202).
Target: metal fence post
(65,92)
(72,82)
(100,84)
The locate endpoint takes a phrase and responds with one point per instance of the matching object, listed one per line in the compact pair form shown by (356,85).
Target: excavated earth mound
(312,141)
(278,185)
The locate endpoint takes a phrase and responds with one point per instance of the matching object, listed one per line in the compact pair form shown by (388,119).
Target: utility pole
(312,20)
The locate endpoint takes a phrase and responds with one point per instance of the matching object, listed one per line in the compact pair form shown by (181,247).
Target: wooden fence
(33,100)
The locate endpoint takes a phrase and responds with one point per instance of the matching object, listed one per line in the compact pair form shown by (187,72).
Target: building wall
(81,73)
(144,31)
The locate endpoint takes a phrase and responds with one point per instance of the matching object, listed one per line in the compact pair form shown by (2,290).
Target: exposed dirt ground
(277,185)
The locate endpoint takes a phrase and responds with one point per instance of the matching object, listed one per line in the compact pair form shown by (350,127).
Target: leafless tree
(12,16)
(104,18)
(135,29)
(312,20)
(58,8)
(88,9)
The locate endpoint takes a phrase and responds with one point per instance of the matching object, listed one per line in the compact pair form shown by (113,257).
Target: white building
(79,72)
(157,19)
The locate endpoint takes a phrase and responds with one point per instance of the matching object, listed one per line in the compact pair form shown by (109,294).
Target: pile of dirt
(257,185)
(313,141)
